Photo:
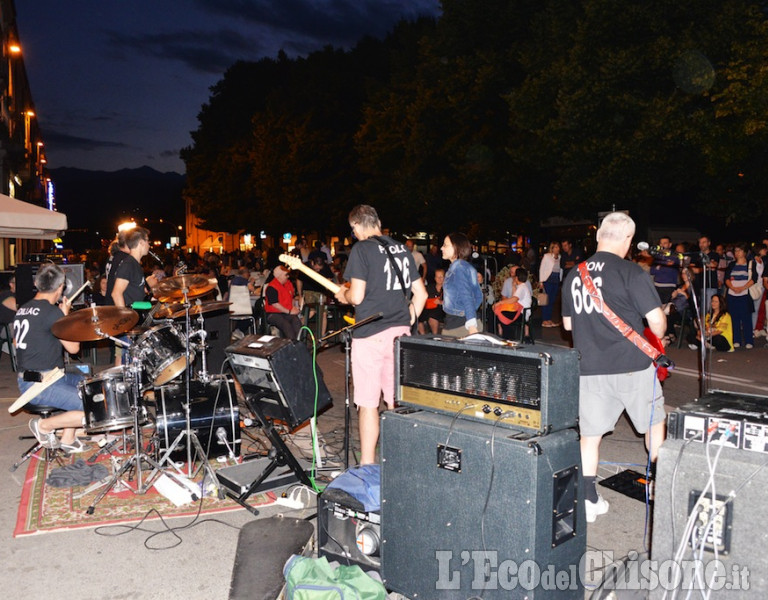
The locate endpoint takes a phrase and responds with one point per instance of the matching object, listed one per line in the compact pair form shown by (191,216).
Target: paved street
(83,565)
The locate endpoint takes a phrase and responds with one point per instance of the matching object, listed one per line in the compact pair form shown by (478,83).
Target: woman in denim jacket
(461,291)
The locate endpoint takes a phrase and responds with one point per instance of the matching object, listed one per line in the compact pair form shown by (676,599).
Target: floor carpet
(44,508)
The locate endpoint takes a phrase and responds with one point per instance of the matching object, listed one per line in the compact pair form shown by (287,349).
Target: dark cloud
(338,22)
(202,51)
(65,141)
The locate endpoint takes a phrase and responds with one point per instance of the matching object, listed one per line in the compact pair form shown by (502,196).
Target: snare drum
(213,406)
(162,353)
(107,401)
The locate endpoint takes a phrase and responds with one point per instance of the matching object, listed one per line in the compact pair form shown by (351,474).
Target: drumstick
(36,388)
(77,293)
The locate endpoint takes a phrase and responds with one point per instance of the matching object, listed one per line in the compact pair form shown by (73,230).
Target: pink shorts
(373,367)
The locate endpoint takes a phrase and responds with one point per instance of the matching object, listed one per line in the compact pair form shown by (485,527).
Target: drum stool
(51,454)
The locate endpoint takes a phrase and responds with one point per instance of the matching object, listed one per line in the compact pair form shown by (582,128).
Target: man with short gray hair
(615,374)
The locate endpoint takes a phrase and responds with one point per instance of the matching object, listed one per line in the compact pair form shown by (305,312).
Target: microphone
(478,255)
(155,256)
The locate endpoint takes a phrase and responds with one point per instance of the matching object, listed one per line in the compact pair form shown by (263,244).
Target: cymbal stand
(346,333)
(194,447)
(142,485)
(202,334)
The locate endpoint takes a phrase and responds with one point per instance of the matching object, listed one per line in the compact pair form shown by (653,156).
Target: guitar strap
(624,328)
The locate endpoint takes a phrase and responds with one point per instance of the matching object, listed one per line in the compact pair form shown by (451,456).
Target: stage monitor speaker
(456,491)
(277,373)
(738,532)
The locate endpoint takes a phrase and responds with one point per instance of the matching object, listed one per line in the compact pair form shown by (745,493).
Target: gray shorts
(602,399)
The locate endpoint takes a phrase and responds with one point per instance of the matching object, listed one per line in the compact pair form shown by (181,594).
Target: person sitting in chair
(38,352)
(279,305)
(516,298)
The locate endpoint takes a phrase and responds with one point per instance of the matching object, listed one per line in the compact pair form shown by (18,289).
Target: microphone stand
(701,310)
(346,333)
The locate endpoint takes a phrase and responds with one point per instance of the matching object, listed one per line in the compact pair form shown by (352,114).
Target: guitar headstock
(294,262)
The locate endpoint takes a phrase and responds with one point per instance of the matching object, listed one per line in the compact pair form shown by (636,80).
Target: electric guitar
(295,263)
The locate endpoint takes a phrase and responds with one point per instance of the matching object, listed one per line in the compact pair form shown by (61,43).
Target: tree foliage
(499,114)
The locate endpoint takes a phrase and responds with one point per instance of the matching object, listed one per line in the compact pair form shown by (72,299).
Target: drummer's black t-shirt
(131,270)
(37,349)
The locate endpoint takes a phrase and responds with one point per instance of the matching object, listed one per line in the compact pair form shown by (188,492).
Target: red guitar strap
(624,328)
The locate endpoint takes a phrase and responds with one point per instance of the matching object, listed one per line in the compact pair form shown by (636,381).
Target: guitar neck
(309,272)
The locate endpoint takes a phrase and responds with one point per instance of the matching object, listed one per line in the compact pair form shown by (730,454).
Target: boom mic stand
(346,333)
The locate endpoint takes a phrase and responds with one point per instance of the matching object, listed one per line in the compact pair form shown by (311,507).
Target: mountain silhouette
(95,202)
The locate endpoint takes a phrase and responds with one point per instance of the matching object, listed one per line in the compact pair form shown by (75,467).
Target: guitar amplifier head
(277,373)
(535,387)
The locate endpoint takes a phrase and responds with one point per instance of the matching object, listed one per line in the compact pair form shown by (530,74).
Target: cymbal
(166,312)
(94,323)
(172,288)
(203,308)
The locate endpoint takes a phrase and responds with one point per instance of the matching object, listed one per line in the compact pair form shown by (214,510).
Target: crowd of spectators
(735,274)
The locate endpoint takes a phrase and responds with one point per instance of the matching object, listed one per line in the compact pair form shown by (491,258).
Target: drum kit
(186,409)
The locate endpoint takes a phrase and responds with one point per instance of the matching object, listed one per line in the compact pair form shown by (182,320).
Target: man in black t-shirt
(615,375)
(38,351)
(130,285)
(375,288)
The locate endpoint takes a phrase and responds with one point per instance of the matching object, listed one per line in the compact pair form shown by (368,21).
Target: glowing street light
(126,226)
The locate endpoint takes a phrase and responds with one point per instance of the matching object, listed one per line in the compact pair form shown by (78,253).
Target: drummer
(38,351)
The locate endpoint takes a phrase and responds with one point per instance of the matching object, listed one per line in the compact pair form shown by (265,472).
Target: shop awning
(27,221)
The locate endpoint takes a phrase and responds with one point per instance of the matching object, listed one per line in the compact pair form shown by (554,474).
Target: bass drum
(213,409)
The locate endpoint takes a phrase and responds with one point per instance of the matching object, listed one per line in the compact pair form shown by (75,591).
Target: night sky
(119,83)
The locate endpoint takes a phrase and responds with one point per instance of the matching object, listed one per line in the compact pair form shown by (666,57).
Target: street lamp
(13,50)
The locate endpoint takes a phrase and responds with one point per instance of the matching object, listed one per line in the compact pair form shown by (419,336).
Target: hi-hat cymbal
(203,308)
(173,288)
(94,323)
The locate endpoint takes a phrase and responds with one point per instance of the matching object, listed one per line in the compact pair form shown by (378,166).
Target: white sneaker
(596,508)
(736,345)
(748,346)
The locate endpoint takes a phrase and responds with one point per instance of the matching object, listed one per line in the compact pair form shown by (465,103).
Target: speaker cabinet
(75,277)
(348,535)
(278,374)
(25,281)
(454,492)
(737,532)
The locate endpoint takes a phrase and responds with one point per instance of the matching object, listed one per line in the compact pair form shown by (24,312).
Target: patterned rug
(44,508)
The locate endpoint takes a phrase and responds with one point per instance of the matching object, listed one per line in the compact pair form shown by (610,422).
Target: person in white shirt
(418,258)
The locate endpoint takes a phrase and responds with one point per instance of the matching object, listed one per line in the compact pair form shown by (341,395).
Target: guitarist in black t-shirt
(616,376)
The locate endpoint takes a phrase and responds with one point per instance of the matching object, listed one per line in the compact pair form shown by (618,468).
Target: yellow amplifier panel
(479,408)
